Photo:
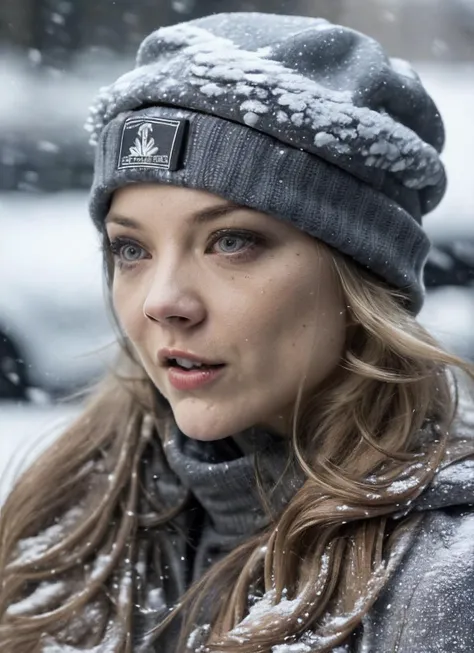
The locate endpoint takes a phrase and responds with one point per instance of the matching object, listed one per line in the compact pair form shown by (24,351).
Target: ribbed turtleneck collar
(223,479)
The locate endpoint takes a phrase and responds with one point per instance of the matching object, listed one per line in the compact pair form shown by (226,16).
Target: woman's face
(197,276)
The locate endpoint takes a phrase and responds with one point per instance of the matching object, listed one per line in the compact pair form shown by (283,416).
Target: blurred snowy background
(55,336)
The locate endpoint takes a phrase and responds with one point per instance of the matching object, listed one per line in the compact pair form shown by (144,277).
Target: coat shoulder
(428,606)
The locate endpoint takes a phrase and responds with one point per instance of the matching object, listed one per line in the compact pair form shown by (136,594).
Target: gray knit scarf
(223,510)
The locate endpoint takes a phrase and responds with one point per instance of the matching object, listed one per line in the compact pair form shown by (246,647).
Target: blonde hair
(368,445)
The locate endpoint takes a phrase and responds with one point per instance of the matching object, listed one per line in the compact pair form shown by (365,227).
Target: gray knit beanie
(307,121)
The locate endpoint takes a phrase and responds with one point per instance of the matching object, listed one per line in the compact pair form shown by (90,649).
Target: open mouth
(188,375)
(187,365)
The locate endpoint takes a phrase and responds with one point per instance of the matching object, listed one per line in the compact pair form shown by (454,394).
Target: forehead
(151,200)
(150,204)
(144,195)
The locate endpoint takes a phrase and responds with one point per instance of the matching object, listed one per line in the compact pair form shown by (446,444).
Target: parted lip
(165,354)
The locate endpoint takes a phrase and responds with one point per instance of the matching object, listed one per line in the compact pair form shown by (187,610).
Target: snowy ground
(25,430)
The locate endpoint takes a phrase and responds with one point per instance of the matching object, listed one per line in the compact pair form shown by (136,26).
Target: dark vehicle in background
(13,382)
(448,311)
(55,333)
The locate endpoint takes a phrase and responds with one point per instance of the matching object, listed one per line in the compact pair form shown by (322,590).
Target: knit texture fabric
(305,120)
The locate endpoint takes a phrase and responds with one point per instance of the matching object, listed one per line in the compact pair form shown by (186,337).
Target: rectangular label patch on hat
(149,142)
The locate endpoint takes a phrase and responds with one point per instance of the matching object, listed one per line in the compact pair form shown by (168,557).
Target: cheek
(322,334)
(305,323)
(128,309)
(283,317)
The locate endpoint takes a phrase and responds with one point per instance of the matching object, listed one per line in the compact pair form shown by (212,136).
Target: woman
(279,462)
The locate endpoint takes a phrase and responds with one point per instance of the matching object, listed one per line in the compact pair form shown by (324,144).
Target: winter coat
(427,606)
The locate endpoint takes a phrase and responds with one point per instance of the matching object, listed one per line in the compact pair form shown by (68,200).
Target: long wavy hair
(367,444)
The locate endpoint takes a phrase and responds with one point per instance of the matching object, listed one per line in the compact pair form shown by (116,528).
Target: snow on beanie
(307,121)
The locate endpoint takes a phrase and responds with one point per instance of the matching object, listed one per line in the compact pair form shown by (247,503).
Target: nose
(173,299)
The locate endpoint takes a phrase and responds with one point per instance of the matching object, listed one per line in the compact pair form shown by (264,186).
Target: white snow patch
(297,119)
(198,71)
(293,104)
(459,474)
(344,508)
(41,598)
(263,608)
(403,67)
(322,27)
(155,599)
(212,90)
(32,548)
(400,487)
(125,588)
(343,148)
(256,78)
(244,89)
(323,138)
(308,643)
(254,106)
(265,51)
(100,565)
(251,119)
(282,117)
(459,551)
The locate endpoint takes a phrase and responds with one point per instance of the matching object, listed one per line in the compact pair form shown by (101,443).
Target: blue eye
(234,243)
(231,244)
(126,251)
(133,251)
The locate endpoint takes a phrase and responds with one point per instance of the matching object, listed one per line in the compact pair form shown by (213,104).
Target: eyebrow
(198,217)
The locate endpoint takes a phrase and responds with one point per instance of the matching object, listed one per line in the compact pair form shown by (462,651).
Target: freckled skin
(273,312)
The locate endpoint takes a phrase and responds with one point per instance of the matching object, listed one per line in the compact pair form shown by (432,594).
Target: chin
(206,425)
